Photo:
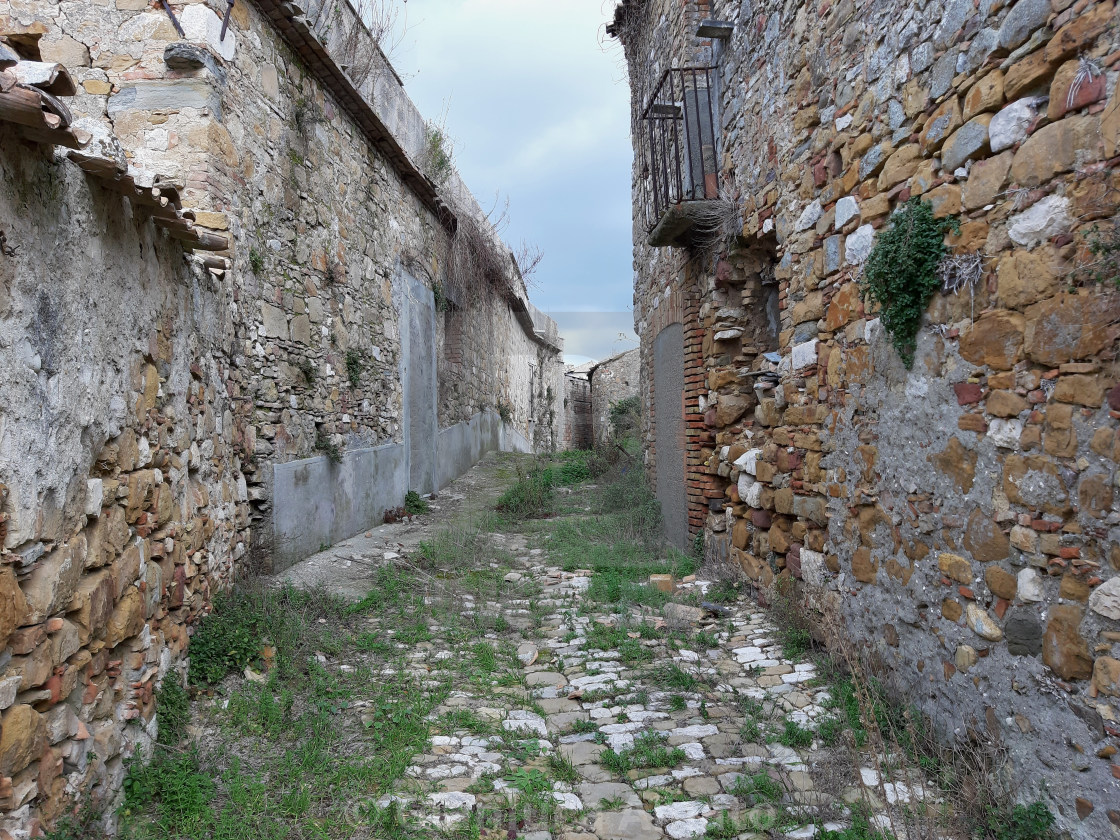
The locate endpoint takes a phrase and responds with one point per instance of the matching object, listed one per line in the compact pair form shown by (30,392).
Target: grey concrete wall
(417,309)
(319,503)
(668,375)
(462,446)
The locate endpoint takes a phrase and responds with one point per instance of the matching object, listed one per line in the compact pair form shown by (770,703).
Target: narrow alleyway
(509,676)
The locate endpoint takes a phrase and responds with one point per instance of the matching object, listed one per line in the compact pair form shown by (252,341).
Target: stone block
(1079,33)
(985,181)
(274,321)
(1106,676)
(65,50)
(995,339)
(940,125)
(1025,277)
(1073,588)
(1105,599)
(1066,328)
(1057,148)
(1029,76)
(1064,650)
(1030,584)
(203,26)
(1080,389)
(984,540)
(981,623)
(13,605)
(23,736)
(857,246)
(1005,404)
(847,208)
(1020,23)
(731,407)
(945,200)
(1024,633)
(125,570)
(985,95)
(1095,495)
(127,619)
(1070,93)
(1045,219)
(812,508)
(1110,125)
(93,602)
(1010,126)
(900,165)
(968,142)
(52,582)
(165,95)
(1002,583)
(955,567)
(844,305)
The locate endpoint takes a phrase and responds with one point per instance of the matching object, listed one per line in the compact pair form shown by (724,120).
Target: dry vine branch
(528,257)
(478,264)
(713,222)
(367,44)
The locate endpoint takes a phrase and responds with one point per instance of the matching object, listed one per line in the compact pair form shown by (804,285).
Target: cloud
(595,335)
(538,112)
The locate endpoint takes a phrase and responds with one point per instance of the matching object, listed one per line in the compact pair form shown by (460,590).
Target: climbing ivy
(901,271)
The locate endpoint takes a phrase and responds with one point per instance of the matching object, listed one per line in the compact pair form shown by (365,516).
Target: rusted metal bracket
(174,20)
(225,20)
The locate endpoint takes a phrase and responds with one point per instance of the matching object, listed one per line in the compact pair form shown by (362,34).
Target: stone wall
(957,522)
(577,411)
(123,502)
(167,422)
(612,380)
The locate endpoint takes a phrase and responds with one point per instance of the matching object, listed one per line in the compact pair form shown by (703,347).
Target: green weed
(795,735)
(415,504)
(649,750)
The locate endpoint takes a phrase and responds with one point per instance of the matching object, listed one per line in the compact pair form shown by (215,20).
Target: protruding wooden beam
(24,106)
(213,261)
(201,239)
(71,138)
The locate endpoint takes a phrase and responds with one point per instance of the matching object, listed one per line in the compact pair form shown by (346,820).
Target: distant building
(577,407)
(612,381)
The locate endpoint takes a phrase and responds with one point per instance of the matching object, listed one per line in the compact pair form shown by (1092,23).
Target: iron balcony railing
(679,142)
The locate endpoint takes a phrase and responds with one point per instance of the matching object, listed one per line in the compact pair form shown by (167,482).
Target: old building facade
(612,380)
(957,521)
(240,317)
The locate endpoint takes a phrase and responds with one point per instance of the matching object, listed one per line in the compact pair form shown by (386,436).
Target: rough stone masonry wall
(612,380)
(122,502)
(326,230)
(148,403)
(958,522)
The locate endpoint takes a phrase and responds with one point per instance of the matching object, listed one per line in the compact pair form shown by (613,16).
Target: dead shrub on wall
(366,40)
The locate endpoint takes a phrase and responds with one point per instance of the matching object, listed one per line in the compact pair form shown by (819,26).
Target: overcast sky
(535,99)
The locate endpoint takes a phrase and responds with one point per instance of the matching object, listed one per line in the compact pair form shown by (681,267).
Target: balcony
(679,171)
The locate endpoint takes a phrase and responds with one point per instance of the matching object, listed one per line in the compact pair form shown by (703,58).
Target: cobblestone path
(550,711)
